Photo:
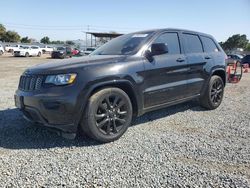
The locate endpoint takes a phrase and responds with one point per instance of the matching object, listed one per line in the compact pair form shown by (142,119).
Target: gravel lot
(180,146)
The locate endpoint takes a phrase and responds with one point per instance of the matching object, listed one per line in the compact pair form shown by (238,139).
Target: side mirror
(159,49)
(156,49)
(149,56)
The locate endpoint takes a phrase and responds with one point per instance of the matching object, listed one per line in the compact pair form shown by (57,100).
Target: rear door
(197,61)
(34,50)
(165,77)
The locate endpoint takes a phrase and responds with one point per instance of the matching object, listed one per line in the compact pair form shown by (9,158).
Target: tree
(11,36)
(2,31)
(45,40)
(247,47)
(235,41)
(25,40)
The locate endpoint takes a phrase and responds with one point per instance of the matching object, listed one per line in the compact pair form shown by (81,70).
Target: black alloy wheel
(108,115)
(216,92)
(213,95)
(111,114)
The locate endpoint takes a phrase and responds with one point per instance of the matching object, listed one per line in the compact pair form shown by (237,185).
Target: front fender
(93,87)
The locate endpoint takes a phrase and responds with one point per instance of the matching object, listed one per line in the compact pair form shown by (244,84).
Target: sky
(68,20)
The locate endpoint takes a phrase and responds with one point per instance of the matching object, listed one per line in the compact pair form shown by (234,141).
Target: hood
(21,50)
(61,66)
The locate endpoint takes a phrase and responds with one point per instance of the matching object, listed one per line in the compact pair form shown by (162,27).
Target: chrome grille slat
(30,82)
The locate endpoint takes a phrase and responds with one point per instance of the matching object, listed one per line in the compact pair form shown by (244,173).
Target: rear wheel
(1,52)
(39,54)
(108,115)
(27,54)
(213,95)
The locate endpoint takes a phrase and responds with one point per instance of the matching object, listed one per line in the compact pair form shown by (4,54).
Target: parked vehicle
(125,78)
(236,57)
(62,52)
(89,50)
(1,50)
(47,49)
(27,51)
(246,60)
(12,48)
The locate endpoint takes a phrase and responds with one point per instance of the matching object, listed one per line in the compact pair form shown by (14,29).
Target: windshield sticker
(139,35)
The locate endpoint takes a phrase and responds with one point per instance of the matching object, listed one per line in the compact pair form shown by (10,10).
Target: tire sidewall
(211,82)
(92,108)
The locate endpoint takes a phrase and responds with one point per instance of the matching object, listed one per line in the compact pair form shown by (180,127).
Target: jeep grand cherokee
(127,77)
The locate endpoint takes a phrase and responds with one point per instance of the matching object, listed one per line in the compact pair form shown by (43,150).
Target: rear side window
(192,43)
(209,45)
(171,40)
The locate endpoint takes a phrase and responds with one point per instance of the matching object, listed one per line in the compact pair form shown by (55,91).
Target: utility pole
(87,36)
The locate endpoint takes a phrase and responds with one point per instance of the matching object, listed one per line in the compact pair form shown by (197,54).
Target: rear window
(192,43)
(209,45)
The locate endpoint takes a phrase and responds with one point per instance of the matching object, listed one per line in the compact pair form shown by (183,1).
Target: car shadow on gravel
(17,133)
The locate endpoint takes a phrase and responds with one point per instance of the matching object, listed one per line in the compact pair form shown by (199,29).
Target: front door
(165,77)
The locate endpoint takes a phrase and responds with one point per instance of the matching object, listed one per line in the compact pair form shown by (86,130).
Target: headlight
(61,79)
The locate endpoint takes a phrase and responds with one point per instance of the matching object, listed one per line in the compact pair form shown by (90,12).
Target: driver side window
(172,42)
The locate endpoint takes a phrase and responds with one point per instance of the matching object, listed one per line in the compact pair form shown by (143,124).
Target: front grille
(30,82)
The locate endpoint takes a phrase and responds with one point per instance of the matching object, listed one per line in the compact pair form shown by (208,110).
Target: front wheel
(1,52)
(39,54)
(27,54)
(213,95)
(108,115)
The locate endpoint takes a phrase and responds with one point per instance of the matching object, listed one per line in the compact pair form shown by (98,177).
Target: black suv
(125,78)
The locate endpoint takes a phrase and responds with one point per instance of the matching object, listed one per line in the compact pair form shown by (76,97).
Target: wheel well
(127,89)
(222,74)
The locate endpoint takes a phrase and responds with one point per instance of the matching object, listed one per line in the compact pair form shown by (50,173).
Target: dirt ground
(180,146)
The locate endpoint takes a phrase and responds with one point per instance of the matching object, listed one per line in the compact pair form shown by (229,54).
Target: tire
(39,54)
(27,54)
(1,52)
(213,95)
(108,115)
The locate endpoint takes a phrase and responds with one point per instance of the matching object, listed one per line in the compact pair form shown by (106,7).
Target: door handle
(207,57)
(180,60)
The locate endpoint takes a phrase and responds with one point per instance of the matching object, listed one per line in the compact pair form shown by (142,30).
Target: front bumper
(52,109)
(57,55)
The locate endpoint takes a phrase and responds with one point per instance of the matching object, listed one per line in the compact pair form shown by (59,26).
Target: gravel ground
(180,146)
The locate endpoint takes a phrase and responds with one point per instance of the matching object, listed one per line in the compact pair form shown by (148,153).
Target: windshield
(24,47)
(240,56)
(60,48)
(90,49)
(124,45)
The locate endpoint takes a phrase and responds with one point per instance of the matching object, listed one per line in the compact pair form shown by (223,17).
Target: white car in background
(89,50)
(1,50)
(47,49)
(12,48)
(27,51)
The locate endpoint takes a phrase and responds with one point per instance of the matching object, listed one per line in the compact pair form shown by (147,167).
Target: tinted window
(246,58)
(34,47)
(124,45)
(209,45)
(171,40)
(192,43)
